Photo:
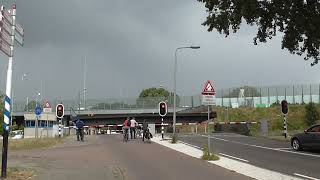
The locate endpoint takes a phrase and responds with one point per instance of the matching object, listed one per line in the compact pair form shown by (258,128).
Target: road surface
(107,157)
(269,154)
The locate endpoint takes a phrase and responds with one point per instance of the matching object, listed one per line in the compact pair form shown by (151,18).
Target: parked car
(18,134)
(310,139)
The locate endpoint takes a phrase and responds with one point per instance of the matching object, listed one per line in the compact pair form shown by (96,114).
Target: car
(18,134)
(309,139)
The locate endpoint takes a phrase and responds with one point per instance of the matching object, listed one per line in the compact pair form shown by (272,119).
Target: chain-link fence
(247,96)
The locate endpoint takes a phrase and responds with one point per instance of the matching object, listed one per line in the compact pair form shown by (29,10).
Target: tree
(30,106)
(298,20)
(248,92)
(312,114)
(152,96)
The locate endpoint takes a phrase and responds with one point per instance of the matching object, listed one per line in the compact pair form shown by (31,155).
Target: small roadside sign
(208,100)
(47,107)
(208,89)
(38,110)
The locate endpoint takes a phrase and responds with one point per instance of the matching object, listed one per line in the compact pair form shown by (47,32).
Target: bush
(174,139)
(207,156)
(312,115)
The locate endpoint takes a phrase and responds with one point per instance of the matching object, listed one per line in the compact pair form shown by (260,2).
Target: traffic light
(60,111)
(162,108)
(284,107)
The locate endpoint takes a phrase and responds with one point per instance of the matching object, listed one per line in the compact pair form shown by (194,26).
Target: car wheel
(296,145)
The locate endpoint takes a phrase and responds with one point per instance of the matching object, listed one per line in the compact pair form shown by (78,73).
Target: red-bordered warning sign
(47,105)
(208,89)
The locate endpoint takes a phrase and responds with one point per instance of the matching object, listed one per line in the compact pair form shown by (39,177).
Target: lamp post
(175,82)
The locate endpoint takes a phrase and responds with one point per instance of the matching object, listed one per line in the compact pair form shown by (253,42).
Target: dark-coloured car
(309,139)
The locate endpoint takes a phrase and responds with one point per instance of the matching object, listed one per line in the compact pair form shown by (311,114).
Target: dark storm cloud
(130,45)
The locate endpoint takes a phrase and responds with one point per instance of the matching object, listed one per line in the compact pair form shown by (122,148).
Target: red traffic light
(162,108)
(60,111)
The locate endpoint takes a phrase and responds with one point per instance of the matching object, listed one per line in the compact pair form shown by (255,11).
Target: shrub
(312,115)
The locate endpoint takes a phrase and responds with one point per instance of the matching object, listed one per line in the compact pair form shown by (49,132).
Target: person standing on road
(126,127)
(79,126)
(144,129)
(133,124)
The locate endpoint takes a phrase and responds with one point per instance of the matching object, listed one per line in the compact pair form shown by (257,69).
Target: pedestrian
(126,127)
(79,127)
(144,129)
(133,125)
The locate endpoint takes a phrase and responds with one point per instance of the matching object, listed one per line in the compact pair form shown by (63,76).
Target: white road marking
(283,148)
(191,145)
(234,157)
(304,176)
(263,147)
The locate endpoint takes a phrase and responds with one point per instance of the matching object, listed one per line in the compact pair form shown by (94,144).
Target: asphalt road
(108,157)
(269,154)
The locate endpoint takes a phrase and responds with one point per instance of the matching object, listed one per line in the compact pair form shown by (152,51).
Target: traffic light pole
(209,150)
(162,128)
(59,123)
(285,127)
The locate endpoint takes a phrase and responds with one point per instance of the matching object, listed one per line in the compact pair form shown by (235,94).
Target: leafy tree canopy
(298,20)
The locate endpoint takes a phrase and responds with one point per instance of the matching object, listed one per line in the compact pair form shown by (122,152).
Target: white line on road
(234,157)
(283,148)
(263,147)
(191,145)
(304,176)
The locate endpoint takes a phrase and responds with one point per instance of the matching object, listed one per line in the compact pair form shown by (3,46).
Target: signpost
(208,99)
(8,24)
(37,111)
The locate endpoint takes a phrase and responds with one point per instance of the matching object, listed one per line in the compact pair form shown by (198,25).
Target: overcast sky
(129,46)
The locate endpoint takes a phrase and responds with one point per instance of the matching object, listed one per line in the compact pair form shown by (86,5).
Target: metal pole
(209,130)
(84,82)
(162,128)
(285,130)
(36,127)
(7,104)
(285,93)
(294,99)
(268,97)
(79,104)
(59,124)
(174,92)
(310,94)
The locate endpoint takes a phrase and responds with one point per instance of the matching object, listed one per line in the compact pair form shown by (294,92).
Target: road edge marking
(233,157)
(304,176)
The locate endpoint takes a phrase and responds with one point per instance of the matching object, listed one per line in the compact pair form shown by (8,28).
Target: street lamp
(175,82)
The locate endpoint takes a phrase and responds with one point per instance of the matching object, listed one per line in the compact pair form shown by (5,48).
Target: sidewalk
(234,165)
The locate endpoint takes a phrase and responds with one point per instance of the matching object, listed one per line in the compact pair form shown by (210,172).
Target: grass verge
(16,144)
(19,174)
(209,156)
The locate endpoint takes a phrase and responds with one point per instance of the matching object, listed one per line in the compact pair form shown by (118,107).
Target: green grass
(174,139)
(295,119)
(19,174)
(17,144)
(208,157)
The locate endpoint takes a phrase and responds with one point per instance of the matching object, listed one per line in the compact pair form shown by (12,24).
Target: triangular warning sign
(47,105)
(208,89)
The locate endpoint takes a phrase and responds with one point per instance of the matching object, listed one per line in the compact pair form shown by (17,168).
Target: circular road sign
(37,110)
